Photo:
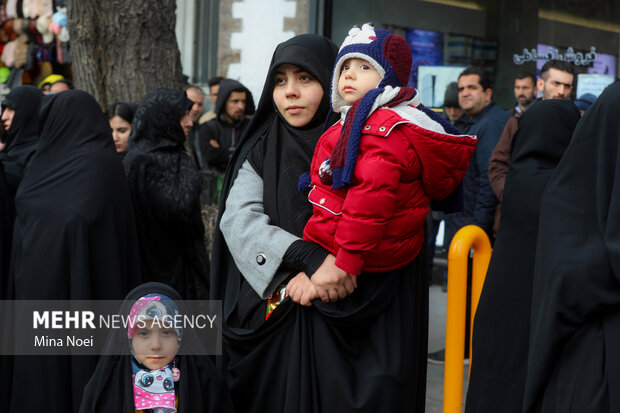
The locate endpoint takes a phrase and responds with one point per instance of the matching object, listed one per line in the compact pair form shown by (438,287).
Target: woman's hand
(331,282)
(301,290)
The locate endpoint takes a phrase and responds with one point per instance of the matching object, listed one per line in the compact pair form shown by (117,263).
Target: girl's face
(357,77)
(154,345)
(297,95)
(120,132)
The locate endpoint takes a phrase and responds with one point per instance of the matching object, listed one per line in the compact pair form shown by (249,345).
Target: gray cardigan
(256,246)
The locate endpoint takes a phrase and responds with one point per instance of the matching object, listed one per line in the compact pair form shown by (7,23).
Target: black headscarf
(157,123)
(502,323)
(200,389)
(165,187)
(74,238)
(285,152)
(21,138)
(266,139)
(575,331)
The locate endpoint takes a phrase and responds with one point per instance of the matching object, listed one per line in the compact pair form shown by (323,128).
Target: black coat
(502,323)
(574,357)
(165,188)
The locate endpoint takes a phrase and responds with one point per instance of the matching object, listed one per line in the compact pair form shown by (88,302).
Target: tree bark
(121,49)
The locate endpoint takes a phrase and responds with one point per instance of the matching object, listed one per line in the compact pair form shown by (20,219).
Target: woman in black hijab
(574,357)
(337,356)
(21,137)
(20,113)
(74,239)
(165,187)
(110,389)
(502,323)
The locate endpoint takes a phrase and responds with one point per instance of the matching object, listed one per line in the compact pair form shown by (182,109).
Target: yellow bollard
(464,240)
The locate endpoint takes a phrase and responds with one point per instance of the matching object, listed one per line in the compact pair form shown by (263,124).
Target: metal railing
(463,241)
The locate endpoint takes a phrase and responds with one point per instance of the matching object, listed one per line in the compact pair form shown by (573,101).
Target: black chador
(74,239)
(574,355)
(165,188)
(502,322)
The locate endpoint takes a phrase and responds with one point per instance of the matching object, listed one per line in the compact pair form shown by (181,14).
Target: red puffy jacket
(377,223)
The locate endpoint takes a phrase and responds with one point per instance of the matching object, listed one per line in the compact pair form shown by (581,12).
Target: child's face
(297,95)
(154,345)
(357,77)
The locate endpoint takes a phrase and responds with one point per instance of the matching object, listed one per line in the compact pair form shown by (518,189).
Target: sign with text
(73,327)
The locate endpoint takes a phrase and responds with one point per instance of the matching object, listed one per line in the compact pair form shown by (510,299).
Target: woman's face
(297,94)
(120,132)
(7,117)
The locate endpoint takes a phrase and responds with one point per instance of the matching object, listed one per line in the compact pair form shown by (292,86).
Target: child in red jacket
(374,173)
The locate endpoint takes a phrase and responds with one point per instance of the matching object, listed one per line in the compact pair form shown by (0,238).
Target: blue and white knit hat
(391,56)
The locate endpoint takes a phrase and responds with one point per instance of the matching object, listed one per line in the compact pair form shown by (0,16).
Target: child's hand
(333,283)
(301,290)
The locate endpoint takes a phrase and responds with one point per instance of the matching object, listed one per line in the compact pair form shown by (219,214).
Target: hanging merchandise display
(34,40)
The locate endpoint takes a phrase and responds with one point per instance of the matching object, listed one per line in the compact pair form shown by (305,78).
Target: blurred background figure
(584,101)
(525,92)
(61,86)
(196,95)
(453,112)
(47,82)
(214,86)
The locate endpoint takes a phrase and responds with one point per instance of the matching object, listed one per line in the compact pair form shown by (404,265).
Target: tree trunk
(121,49)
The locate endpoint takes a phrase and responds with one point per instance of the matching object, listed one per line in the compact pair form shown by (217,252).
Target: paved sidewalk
(436,341)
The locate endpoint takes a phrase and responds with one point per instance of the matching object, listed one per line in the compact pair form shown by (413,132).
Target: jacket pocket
(325,199)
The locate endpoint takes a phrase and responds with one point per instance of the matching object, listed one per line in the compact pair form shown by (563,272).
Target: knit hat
(391,56)
(584,101)
(451,98)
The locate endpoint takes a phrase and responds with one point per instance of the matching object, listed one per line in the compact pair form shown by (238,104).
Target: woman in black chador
(574,357)
(20,120)
(24,103)
(502,323)
(165,187)
(74,239)
(327,357)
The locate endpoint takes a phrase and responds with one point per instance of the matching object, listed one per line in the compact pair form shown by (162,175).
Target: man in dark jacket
(219,136)
(487,123)
(556,82)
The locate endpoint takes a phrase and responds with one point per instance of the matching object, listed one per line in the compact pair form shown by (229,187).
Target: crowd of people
(321,251)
